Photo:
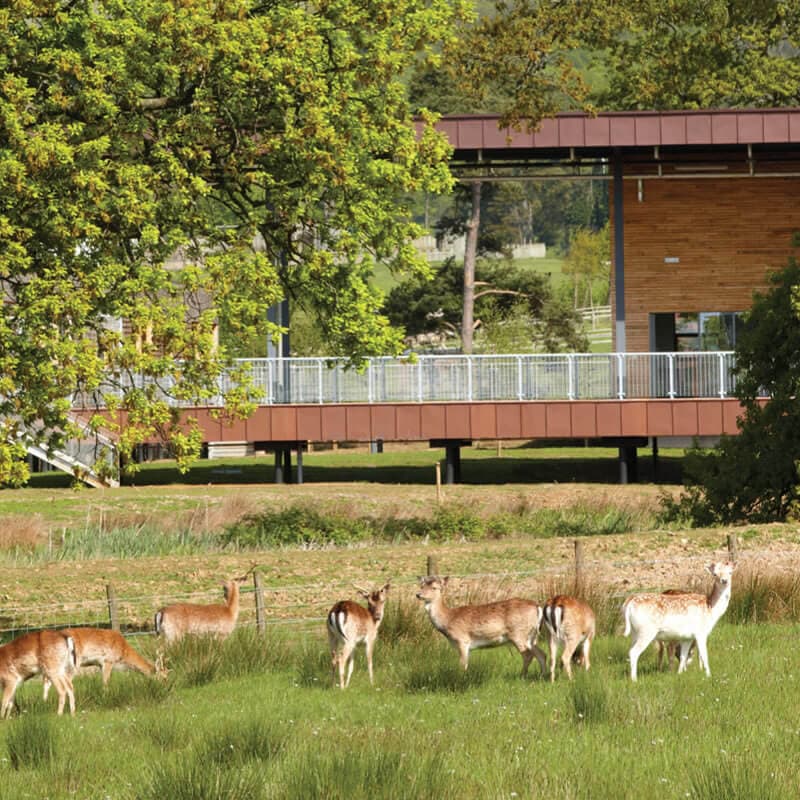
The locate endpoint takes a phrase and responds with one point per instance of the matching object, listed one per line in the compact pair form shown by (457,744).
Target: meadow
(258,717)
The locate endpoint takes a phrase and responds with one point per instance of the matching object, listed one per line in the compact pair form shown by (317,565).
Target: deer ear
(444,580)
(712,568)
(387,586)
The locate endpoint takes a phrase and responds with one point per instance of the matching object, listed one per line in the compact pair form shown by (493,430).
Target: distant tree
(588,265)
(754,475)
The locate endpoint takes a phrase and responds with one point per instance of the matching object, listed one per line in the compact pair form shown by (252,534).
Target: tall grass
(33,742)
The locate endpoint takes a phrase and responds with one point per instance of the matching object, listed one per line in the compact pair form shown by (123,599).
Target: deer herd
(676,621)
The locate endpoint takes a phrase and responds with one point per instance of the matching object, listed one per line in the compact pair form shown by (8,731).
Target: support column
(299,472)
(279,477)
(619,256)
(628,465)
(452,467)
(287,463)
(655,458)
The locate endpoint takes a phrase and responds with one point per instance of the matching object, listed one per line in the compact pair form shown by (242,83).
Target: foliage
(754,475)
(424,307)
(705,53)
(588,263)
(262,148)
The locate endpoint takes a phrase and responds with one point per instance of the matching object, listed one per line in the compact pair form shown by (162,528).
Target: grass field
(257,717)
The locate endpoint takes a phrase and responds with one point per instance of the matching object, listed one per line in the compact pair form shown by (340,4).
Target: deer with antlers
(175,621)
(47,653)
(348,625)
(470,627)
(678,617)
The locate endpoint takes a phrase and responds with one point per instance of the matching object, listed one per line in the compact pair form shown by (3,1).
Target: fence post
(439,482)
(432,566)
(732,547)
(261,622)
(578,566)
(113,611)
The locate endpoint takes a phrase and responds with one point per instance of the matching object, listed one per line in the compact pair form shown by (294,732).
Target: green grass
(426,729)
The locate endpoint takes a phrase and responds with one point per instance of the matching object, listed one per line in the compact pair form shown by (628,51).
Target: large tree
(266,143)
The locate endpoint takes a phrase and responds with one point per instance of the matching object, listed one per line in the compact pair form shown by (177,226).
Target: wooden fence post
(578,566)
(732,547)
(113,612)
(432,566)
(438,482)
(261,622)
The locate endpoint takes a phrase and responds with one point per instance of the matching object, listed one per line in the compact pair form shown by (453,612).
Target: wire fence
(307,604)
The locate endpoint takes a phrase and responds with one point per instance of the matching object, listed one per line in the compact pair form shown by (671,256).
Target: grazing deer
(47,653)
(181,619)
(568,621)
(468,628)
(678,617)
(107,649)
(349,624)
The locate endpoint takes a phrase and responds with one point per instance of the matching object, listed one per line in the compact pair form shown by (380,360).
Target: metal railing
(460,378)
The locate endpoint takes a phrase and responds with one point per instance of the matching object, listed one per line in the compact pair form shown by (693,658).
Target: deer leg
(107,667)
(9,689)
(553,655)
(638,647)
(369,646)
(566,657)
(351,659)
(463,653)
(45,688)
(683,655)
(702,654)
(586,647)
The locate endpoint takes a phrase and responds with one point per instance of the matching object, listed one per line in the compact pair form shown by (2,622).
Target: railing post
(519,378)
(671,366)
(721,357)
(261,622)
(369,380)
(270,381)
(570,377)
(621,366)
(319,381)
(469,378)
(419,379)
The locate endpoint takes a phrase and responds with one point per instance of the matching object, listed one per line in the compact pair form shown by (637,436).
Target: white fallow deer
(47,653)
(181,619)
(678,617)
(513,621)
(349,624)
(568,621)
(104,648)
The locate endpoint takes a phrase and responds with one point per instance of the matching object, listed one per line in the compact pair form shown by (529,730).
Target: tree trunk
(470,257)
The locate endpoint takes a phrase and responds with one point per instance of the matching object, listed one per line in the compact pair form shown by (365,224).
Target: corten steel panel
(794,127)
(334,423)
(309,423)
(684,418)
(483,420)
(659,418)
(547,134)
(212,428)
(623,131)
(259,425)
(673,129)
(512,138)
(409,423)
(449,127)
(609,418)
(634,418)
(598,132)
(751,128)
(731,411)
(583,421)
(470,133)
(709,417)
(284,424)
(358,420)
(724,129)
(698,128)
(492,135)
(534,420)
(571,131)
(776,127)
(384,422)
(648,131)
(509,421)
(234,431)
(432,422)
(559,418)
(457,422)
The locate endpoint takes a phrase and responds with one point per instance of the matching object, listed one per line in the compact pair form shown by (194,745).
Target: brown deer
(513,621)
(669,651)
(571,622)
(678,617)
(107,649)
(349,624)
(47,653)
(173,622)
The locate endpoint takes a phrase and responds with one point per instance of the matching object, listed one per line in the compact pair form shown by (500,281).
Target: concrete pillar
(299,472)
(628,465)
(452,467)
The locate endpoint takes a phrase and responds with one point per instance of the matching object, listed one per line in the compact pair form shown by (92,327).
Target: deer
(107,649)
(47,653)
(175,621)
(670,650)
(514,621)
(571,622)
(348,625)
(678,617)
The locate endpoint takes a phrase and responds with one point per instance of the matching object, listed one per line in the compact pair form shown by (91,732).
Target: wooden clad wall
(729,234)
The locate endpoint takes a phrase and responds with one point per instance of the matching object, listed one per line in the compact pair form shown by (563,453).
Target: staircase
(82,457)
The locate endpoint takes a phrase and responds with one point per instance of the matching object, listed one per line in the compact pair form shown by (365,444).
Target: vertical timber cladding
(728,235)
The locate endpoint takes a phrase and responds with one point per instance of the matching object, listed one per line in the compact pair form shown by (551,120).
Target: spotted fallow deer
(47,653)
(349,624)
(513,621)
(679,617)
(569,621)
(107,649)
(181,619)
(669,651)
